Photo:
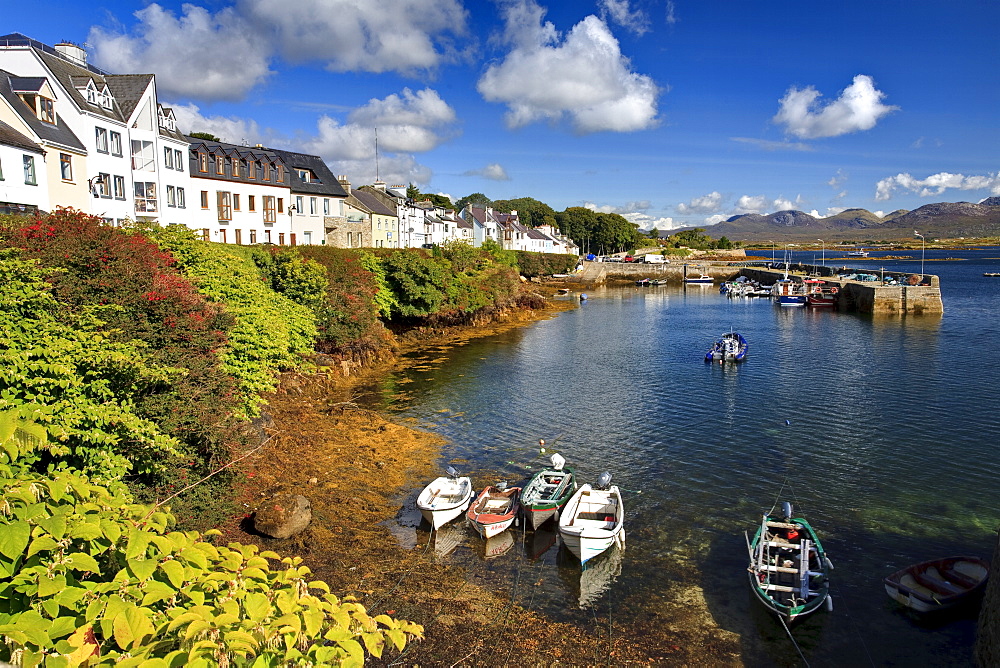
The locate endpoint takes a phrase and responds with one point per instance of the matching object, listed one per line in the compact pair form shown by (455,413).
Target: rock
(283,515)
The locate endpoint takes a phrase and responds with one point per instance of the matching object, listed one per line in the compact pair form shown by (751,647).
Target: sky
(670,112)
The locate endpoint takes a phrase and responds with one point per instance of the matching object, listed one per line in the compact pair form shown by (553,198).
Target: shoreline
(357,466)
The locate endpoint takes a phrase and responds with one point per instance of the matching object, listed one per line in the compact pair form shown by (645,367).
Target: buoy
(829,564)
(829,604)
(788,422)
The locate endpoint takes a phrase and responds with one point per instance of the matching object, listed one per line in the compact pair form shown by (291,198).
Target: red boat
(494,510)
(820,293)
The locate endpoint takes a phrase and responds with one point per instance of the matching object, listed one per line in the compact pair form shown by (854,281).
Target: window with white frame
(299,205)
(145,196)
(168,158)
(119,183)
(102,185)
(116,143)
(66,166)
(171,196)
(29,170)
(326,206)
(312,206)
(101,140)
(180,198)
(178,160)
(307,237)
(142,156)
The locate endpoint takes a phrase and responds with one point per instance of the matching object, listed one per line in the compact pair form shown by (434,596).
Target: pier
(892,293)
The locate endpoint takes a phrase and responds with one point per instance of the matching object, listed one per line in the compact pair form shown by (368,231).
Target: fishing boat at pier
(820,293)
(789,570)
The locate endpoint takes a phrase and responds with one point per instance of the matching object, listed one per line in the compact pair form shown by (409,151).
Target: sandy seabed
(355,466)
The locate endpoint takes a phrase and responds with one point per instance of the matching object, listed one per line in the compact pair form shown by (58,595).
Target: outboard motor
(604,480)
(786,510)
(451,471)
(502,486)
(558,461)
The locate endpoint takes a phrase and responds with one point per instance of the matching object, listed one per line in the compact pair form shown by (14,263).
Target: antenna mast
(376,153)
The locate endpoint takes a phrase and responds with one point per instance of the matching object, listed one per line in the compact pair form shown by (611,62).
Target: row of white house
(72,135)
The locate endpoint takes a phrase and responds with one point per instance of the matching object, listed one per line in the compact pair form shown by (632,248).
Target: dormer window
(46,110)
(167,121)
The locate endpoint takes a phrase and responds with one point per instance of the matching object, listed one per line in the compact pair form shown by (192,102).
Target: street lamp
(772,251)
(923,246)
(824,250)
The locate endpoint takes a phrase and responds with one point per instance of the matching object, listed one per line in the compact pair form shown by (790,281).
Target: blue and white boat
(787,292)
(732,347)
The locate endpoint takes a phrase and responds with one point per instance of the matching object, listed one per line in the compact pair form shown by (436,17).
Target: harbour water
(882,431)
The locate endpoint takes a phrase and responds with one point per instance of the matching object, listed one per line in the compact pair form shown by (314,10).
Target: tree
(530,211)
(207,136)
(475,199)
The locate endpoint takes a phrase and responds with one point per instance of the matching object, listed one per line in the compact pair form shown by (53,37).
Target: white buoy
(829,564)
(829,604)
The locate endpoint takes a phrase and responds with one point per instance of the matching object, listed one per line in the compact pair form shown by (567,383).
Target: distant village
(102,143)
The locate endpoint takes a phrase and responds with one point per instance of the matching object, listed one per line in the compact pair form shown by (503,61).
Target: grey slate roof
(11,137)
(535,234)
(57,134)
(67,72)
(373,202)
(328,184)
(27,84)
(128,90)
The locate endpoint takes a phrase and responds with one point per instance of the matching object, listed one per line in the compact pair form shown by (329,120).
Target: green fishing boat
(789,569)
(547,492)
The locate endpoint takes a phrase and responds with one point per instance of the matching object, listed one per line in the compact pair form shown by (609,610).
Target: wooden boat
(938,584)
(819,293)
(732,347)
(547,492)
(494,510)
(789,570)
(593,520)
(445,498)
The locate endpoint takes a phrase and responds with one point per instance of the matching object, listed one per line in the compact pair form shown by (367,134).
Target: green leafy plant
(87,577)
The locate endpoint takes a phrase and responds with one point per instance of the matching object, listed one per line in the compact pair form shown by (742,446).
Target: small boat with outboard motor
(732,347)
(789,570)
(494,510)
(445,498)
(594,519)
(548,491)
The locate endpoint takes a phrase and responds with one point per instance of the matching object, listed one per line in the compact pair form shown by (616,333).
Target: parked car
(629,258)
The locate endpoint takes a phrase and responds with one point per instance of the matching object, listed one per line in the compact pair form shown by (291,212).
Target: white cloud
(671,14)
(223,55)
(751,204)
(782,204)
(837,179)
(355,35)
(619,11)
(583,77)
(830,211)
(715,219)
(197,54)
(859,107)
(628,208)
(493,171)
(230,129)
(769,145)
(936,184)
(709,203)
(648,222)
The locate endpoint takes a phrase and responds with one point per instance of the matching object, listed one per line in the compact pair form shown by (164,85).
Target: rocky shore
(356,467)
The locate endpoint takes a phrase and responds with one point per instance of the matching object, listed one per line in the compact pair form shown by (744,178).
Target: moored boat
(991,273)
(732,347)
(938,584)
(703,279)
(858,252)
(547,492)
(789,570)
(494,510)
(642,282)
(820,293)
(594,519)
(445,498)
(787,292)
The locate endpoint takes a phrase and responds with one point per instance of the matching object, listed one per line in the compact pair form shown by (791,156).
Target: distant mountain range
(942,220)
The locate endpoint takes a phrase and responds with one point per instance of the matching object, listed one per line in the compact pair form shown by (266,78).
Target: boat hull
(444,500)
(775,576)
(938,584)
(494,511)
(592,522)
(546,494)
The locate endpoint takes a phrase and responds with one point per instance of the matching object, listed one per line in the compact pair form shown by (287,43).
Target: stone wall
(988,634)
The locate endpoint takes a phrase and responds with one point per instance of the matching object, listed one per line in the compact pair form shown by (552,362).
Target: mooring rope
(792,638)
(855,627)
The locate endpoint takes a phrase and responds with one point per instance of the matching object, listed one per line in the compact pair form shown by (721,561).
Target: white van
(654,258)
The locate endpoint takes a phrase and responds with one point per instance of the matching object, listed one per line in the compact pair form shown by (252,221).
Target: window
(252,169)
(168,158)
(281,238)
(171,196)
(303,175)
(239,237)
(66,166)
(265,171)
(46,110)
(202,162)
(29,170)
(1,170)
(180,198)
(281,205)
(102,140)
(178,160)
(102,185)
(224,205)
(222,236)
(204,199)
(312,206)
(119,187)
(251,203)
(142,156)
(326,206)
(280,177)
(253,236)
(220,164)
(206,234)
(236,202)
(307,238)
(145,196)
(269,216)
(299,206)
(242,167)
(267,236)
(116,143)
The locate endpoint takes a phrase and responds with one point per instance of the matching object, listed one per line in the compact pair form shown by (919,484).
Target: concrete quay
(913,295)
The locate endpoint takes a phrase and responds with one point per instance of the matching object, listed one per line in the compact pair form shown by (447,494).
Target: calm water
(889,450)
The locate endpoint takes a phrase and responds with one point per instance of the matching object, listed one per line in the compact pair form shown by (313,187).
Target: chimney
(72,53)
(345,183)
(379,185)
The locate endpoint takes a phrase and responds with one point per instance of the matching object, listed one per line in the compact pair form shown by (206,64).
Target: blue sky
(670,112)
